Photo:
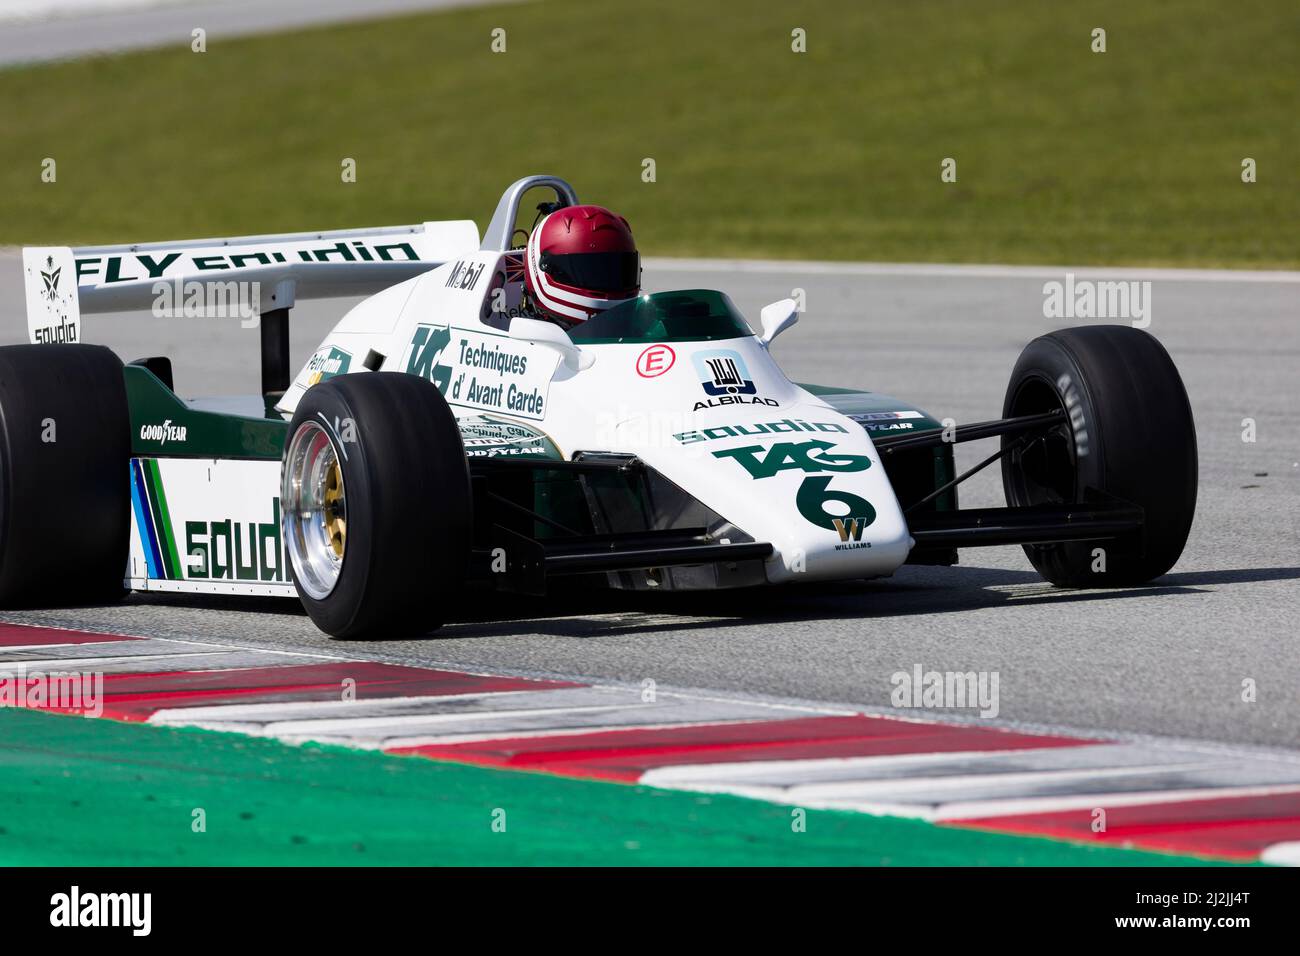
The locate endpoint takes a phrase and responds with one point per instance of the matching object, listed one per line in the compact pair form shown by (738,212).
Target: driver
(580,261)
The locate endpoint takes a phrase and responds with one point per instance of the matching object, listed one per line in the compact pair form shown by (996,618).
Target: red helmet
(580,261)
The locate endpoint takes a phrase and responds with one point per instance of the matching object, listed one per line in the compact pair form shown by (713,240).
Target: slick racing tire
(377,506)
(65,447)
(1128,433)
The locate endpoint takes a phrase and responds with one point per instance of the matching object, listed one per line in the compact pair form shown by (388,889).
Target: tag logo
(427,347)
(810,457)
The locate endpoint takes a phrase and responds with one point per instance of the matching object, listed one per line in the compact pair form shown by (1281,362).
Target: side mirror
(776,318)
(537,332)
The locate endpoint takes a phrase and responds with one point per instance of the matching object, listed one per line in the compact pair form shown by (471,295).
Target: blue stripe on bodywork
(144,520)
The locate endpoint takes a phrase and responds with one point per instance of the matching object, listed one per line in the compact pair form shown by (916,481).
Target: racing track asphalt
(1168,659)
(62,29)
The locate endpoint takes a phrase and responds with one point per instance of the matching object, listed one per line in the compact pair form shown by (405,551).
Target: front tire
(1128,433)
(377,505)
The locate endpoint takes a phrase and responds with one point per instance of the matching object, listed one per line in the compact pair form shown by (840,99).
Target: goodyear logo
(163,432)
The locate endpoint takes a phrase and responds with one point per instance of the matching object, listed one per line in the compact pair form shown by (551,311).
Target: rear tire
(384,551)
(1129,434)
(65,447)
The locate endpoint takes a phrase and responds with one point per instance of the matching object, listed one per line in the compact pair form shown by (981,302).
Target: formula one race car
(655,446)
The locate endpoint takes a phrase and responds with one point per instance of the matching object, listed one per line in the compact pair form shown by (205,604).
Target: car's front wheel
(377,506)
(1127,432)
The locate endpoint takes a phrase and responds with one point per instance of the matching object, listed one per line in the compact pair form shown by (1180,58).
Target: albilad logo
(51,279)
(726,380)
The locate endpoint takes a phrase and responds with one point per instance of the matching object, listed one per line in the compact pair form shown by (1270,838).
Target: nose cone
(803,477)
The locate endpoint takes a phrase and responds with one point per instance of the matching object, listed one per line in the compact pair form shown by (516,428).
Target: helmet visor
(595,271)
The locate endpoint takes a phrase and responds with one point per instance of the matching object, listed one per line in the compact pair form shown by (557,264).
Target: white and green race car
(438,441)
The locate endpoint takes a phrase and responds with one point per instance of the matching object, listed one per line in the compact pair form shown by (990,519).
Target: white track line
(490,701)
(988,784)
(28,648)
(198,662)
(489,715)
(1282,854)
(437,740)
(961,270)
(987,812)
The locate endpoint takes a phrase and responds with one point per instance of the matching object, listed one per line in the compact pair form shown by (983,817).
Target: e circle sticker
(655,360)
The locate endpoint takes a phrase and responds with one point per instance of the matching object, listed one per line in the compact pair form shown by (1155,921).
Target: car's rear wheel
(65,446)
(1128,434)
(377,505)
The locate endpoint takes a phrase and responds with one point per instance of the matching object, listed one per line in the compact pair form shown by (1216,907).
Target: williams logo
(51,279)
(850,531)
(163,433)
(725,379)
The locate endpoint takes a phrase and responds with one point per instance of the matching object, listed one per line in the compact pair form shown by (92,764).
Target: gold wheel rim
(336,519)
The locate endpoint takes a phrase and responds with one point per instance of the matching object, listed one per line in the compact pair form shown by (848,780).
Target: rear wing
(255,278)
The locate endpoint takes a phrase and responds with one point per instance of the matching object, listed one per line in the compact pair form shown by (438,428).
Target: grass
(1132,156)
(193,797)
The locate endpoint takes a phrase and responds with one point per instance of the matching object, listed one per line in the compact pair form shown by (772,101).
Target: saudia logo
(235,550)
(62,329)
(162,433)
(784,426)
(65,331)
(128,268)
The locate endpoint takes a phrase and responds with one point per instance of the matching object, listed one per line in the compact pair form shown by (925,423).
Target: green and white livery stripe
(162,519)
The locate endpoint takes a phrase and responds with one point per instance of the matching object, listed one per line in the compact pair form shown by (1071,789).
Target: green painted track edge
(79,791)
